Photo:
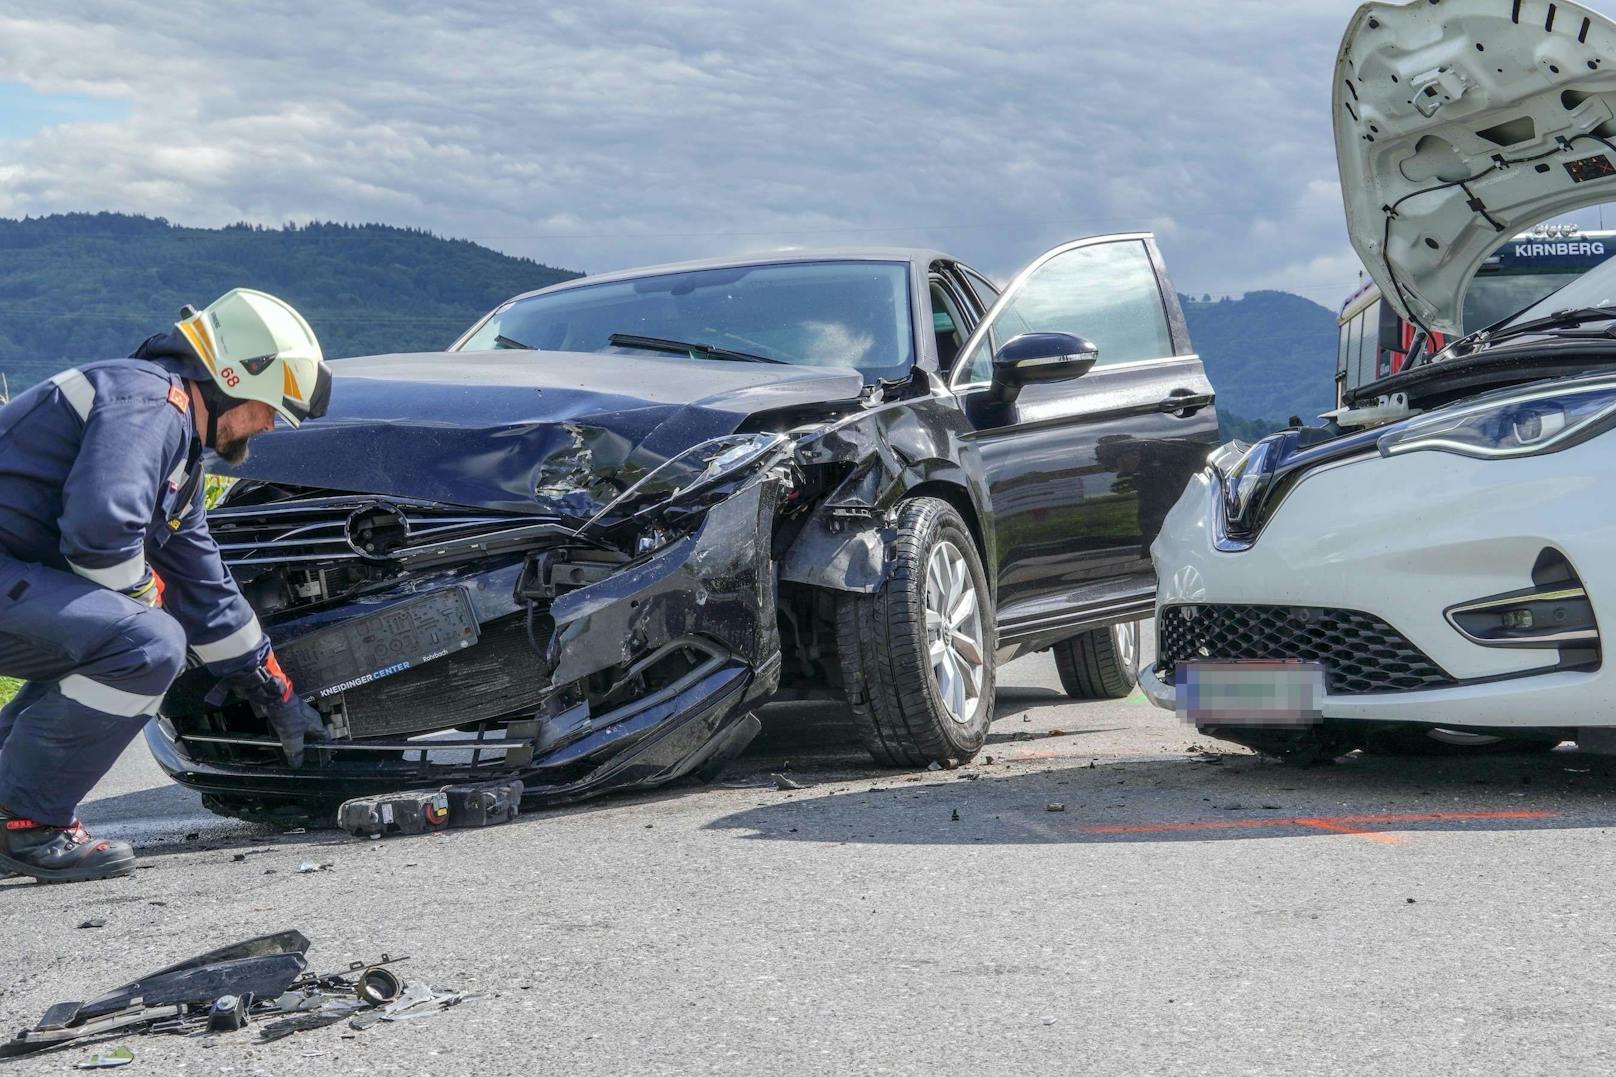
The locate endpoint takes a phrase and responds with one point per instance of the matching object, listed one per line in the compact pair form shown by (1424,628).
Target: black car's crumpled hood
(556,433)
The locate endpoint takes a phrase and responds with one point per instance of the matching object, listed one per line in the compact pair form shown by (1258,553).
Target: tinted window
(1106,292)
(840,314)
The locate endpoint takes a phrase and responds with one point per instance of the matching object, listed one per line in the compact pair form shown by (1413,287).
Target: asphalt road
(1184,913)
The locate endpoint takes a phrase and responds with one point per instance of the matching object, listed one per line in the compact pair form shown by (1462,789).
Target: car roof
(918,255)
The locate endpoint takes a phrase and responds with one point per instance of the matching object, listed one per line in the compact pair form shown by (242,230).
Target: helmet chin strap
(217,404)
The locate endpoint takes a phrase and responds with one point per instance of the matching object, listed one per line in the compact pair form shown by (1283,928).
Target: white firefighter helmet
(258,348)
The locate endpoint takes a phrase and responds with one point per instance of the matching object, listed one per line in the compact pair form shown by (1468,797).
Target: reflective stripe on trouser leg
(99,663)
(56,753)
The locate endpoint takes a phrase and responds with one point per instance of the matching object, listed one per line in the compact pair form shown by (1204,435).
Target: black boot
(60,854)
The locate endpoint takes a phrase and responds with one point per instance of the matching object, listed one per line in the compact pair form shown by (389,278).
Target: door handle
(1185,402)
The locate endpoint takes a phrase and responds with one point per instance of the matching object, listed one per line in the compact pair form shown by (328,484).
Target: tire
(1447,742)
(904,710)
(1101,664)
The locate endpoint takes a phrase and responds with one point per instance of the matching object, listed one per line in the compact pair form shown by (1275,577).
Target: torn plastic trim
(894,450)
(716,583)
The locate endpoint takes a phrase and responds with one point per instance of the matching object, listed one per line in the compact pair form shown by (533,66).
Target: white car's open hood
(1503,112)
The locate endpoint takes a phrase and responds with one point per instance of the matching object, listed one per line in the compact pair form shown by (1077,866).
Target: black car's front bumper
(646,676)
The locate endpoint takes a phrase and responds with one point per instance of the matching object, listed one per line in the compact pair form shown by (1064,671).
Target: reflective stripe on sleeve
(78,391)
(120,577)
(243,640)
(100,697)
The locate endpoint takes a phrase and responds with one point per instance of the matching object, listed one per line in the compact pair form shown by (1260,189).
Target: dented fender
(716,585)
(900,447)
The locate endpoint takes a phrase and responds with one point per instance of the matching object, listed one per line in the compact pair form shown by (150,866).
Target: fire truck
(1374,342)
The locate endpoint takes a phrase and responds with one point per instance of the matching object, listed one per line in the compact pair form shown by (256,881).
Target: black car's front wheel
(917,655)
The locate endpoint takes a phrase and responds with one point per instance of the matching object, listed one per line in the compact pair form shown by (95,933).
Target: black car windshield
(836,314)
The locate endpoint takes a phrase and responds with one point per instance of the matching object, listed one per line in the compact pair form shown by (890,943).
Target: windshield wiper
(684,347)
(504,341)
(1551,325)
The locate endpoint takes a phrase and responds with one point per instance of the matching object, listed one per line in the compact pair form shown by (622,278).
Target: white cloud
(613,133)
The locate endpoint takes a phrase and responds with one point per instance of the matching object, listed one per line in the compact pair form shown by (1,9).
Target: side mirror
(1040,357)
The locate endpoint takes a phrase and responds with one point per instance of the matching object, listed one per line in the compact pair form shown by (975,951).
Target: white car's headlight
(1541,420)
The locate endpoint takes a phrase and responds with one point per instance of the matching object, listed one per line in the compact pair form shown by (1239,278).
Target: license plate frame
(403,636)
(1282,693)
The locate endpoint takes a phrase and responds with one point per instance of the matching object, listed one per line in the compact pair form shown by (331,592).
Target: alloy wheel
(954,631)
(1126,638)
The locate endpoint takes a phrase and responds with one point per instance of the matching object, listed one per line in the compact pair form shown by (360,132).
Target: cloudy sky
(612,133)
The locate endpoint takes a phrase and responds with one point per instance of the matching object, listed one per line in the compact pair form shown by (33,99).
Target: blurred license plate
(366,649)
(1274,693)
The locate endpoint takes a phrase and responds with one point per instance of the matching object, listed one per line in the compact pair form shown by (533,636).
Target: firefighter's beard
(234,451)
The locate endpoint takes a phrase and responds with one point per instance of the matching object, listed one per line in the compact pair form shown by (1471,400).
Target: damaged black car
(584,545)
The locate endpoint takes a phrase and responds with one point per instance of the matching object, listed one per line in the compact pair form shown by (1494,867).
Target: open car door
(1084,460)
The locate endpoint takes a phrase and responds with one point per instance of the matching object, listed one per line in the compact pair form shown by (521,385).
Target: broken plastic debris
(309,867)
(934,765)
(1054,805)
(93,923)
(106,1060)
(782,782)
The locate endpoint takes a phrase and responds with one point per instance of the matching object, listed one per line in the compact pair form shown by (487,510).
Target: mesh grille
(1360,653)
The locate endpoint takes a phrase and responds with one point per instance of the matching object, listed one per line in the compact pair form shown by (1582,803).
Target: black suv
(581,546)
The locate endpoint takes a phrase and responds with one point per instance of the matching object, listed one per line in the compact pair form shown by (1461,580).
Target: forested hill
(1270,355)
(83,286)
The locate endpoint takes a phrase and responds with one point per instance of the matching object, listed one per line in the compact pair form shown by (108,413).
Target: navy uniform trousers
(101,492)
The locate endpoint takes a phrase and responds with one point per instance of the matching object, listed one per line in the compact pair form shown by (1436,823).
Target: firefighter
(108,575)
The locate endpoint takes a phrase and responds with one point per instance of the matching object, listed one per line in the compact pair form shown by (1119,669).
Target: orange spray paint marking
(1340,824)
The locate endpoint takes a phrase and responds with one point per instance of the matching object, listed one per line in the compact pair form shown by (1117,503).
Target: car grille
(1360,652)
(500,676)
(323,530)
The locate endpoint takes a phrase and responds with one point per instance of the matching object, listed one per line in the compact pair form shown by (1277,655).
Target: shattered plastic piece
(934,765)
(106,1060)
(329,1012)
(1054,805)
(413,811)
(784,783)
(228,1013)
(484,803)
(93,923)
(309,867)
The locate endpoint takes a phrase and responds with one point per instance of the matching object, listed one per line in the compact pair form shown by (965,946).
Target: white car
(1432,567)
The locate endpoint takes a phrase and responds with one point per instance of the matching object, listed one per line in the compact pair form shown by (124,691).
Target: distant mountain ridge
(83,286)
(1269,355)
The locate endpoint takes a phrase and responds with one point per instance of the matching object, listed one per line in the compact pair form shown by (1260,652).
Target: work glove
(268,690)
(294,722)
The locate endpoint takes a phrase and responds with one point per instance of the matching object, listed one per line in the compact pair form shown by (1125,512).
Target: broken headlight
(686,479)
(1541,420)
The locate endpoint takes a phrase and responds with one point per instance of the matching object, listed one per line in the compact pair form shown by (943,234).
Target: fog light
(1536,617)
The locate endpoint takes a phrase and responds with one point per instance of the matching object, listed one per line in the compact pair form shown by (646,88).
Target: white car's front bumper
(1404,539)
